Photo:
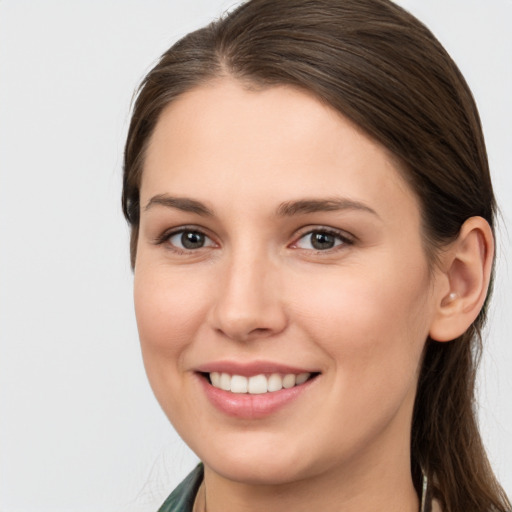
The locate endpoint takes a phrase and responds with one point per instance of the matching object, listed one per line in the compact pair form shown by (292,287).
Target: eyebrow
(286,209)
(304,206)
(184,204)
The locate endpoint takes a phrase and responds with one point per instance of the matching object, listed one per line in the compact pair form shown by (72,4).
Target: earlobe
(467,266)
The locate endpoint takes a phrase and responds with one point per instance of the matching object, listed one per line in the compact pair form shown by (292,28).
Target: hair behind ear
(445,443)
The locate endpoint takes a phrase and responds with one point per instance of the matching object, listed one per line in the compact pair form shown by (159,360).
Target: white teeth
(257,384)
(215,378)
(289,381)
(275,382)
(225,381)
(301,378)
(238,384)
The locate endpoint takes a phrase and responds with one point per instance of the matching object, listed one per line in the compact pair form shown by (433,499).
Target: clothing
(182,498)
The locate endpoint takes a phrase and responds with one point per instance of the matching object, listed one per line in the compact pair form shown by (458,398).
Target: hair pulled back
(385,71)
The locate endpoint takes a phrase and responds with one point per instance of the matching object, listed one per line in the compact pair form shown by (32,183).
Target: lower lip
(248,406)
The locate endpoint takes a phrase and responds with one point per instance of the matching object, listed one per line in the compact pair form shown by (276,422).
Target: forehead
(225,141)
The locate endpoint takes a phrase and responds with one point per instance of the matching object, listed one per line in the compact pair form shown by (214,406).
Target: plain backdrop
(79,427)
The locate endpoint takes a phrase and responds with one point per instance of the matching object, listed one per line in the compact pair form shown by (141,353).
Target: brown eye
(321,240)
(192,240)
(189,240)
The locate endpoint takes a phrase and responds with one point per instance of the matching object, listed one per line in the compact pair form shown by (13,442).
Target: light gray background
(79,427)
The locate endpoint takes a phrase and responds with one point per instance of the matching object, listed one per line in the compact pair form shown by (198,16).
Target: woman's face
(277,240)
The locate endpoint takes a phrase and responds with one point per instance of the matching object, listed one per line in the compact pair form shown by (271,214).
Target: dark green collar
(182,498)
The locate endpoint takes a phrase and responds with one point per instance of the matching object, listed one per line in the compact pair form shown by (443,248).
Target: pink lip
(245,405)
(248,369)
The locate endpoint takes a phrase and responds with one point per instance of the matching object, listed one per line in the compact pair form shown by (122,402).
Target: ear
(462,287)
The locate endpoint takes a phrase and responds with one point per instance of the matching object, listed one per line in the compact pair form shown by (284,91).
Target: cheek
(169,311)
(373,321)
(373,326)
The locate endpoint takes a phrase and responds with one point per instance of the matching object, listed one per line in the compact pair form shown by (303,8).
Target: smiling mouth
(257,384)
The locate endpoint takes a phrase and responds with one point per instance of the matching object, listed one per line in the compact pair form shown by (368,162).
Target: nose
(248,302)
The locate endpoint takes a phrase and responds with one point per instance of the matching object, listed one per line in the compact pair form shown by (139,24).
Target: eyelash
(344,239)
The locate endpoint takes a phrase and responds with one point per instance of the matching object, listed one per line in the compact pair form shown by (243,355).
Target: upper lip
(248,369)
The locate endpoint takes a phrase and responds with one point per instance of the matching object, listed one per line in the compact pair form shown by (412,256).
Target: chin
(257,472)
(269,462)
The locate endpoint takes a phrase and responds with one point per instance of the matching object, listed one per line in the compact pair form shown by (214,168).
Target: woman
(312,238)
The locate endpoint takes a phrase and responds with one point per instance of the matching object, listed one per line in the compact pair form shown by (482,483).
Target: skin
(359,313)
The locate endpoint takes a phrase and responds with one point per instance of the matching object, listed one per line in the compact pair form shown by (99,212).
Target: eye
(322,240)
(189,240)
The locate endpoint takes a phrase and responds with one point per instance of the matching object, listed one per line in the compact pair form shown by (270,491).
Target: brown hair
(383,69)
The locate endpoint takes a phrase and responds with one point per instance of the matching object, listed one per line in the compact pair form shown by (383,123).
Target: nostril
(240,334)
(261,331)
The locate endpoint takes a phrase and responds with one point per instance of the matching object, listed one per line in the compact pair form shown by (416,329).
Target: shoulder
(182,498)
